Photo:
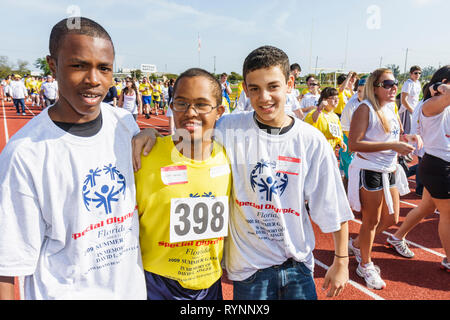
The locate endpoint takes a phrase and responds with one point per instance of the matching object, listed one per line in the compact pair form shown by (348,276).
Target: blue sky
(165,32)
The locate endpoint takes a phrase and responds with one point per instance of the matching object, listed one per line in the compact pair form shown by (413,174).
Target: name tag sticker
(219,171)
(288,165)
(174,175)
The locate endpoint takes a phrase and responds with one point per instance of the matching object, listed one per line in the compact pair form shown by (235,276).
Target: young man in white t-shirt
(410,97)
(68,218)
(278,163)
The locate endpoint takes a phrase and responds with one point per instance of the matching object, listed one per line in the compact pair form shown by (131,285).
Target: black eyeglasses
(387,84)
(200,108)
(417,73)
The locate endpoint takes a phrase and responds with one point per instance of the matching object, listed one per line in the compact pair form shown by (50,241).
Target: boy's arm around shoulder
(142,143)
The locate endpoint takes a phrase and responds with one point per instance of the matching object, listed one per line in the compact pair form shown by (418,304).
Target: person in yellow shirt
(182,192)
(326,120)
(346,84)
(146,89)
(156,96)
(118,85)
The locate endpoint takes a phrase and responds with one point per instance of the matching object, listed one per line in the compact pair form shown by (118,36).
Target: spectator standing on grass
(376,181)
(18,93)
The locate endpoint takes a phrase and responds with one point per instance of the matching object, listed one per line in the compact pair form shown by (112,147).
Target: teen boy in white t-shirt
(410,97)
(68,218)
(278,162)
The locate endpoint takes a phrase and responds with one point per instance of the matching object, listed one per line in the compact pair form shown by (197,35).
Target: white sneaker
(354,251)
(371,275)
(400,246)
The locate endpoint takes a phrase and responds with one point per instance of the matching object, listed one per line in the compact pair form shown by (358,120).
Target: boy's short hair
(266,57)
(295,66)
(197,72)
(415,68)
(86,27)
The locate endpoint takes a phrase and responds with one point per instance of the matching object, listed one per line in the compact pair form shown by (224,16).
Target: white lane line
(30,111)
(353,283)
(4,122)
(151,125)
(411,243)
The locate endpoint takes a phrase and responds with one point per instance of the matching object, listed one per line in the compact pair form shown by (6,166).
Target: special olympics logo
(102,187)
(262,177)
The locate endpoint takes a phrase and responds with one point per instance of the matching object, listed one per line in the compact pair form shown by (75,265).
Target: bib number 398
(198,218)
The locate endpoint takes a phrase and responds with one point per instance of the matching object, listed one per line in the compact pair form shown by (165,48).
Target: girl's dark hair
(133,87)
(441,74)
(326,93)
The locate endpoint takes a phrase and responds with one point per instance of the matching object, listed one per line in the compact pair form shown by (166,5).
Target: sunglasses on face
(387,84)
(313,84)
(416,73)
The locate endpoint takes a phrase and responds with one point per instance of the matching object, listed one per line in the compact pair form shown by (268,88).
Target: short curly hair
(267,57)
(85,26)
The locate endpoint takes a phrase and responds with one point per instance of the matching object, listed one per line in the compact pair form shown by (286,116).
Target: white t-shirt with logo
(413,89)
(273,176)
(68,218)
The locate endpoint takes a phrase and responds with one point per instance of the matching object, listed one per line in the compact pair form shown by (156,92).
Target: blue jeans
(18,102)
(290,281)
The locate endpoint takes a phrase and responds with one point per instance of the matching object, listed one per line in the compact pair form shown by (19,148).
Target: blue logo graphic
(103,187)
(262,177)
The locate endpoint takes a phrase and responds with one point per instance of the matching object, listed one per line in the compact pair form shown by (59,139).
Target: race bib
(198,218)
(334,130)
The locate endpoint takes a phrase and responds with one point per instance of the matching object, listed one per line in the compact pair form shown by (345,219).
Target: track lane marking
(353,283)
(4,122)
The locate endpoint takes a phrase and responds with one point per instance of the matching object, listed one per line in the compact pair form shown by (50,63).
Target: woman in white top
(375,136)
(130,99)
(434,169)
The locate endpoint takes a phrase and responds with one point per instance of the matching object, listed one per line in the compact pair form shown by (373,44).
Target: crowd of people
(92,207)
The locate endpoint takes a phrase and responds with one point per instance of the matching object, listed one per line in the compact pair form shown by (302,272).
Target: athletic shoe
(354,251)
(371,275)
(24,114)
(147,116)
(445,265)
(400,246)
(408,158)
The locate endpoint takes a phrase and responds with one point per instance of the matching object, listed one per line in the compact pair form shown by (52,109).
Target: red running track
(419,278)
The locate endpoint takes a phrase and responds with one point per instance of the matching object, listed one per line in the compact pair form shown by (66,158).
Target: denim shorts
(290,281)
